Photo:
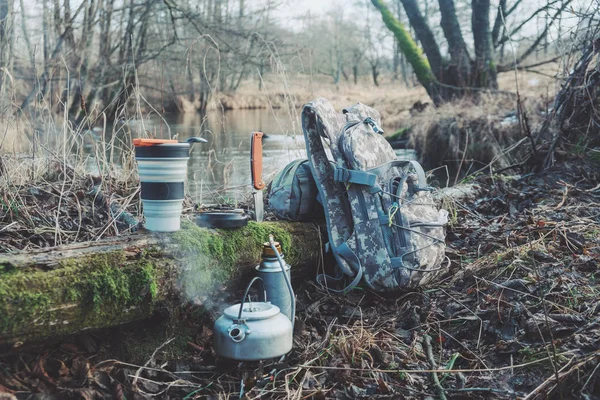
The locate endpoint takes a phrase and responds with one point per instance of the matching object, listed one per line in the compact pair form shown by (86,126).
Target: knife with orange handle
(256,171)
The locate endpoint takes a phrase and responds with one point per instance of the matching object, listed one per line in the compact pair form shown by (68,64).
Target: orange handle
(256,160)
(151,142)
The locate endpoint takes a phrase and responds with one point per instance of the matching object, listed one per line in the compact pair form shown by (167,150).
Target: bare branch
(548,6)
(542,35)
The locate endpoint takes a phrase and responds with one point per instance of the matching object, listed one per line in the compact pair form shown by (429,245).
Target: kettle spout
(237,333)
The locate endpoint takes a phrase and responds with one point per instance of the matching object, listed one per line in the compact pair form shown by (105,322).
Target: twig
(564,197)
(464,347)
(434,377)
(500,286)
(485,390)
(151,359)
(545,309)
(589,378)
(439,371)
(472,312)
(462,161)
(8,226)
(533,394)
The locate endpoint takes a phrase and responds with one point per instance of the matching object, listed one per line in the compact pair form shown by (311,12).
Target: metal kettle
(252,331)
(275,274)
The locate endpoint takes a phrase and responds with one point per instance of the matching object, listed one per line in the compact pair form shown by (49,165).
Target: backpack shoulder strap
(321,123)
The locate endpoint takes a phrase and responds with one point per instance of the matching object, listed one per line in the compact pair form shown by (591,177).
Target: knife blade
(256,171)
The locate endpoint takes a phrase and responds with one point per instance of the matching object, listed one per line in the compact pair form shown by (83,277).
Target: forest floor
(517,317)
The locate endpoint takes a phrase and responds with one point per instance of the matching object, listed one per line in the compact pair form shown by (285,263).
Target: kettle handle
(257,278)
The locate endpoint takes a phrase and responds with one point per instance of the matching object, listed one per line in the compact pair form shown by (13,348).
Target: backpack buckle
(341,174)
(365,178)
(371,122)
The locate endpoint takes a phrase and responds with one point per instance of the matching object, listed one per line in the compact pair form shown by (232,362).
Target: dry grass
(13,136)
(392,98)
(467,136)
(60,183)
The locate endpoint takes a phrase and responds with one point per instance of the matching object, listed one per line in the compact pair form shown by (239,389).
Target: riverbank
(392,98)
(518,311)
(461,127)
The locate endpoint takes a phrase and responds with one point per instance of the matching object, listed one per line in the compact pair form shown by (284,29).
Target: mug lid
(142,142)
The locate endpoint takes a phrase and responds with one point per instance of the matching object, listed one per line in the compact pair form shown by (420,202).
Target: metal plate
(222,219)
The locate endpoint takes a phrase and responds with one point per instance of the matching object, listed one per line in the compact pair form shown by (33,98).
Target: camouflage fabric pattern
(394,232)
(359,112)
(320,121)
(427,236)
(364,149)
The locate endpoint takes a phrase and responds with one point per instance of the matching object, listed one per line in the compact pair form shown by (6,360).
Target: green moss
(399,134)
(409,48)
(211,257)
(89,291)
(109,289)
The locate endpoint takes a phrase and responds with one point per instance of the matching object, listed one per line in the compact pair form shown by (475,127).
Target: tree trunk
(345,75)
(424,34)
(6,35)
(67,289)
(190,77)
(396,61)
(413,54)
(218,12)
(106,20)
(461,62)
(375,73)
(498,22)
(79,107)
(397,7)
(485,68)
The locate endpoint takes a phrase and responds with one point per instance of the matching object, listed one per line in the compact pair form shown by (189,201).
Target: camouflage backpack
(382,222)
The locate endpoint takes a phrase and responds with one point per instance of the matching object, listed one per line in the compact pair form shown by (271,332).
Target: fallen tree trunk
(69,289)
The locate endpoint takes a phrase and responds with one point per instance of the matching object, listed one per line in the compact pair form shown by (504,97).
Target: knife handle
(256,160)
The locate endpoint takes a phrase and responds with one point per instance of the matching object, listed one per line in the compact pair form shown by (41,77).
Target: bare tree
(461,73)
(6,41)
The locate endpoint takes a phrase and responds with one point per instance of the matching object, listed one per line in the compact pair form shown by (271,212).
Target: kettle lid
(252,311)
(268,250)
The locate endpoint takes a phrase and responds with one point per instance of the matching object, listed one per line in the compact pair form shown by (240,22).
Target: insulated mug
(162,166)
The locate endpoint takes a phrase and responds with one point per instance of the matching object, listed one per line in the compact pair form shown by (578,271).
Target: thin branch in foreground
(430,358)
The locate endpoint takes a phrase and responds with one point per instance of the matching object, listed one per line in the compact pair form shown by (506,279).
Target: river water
(219,171)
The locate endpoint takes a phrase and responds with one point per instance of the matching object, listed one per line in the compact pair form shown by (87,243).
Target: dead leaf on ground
(39,371)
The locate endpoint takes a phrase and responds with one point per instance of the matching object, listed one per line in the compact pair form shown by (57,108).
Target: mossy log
(93,285)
